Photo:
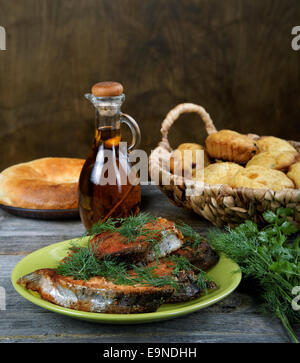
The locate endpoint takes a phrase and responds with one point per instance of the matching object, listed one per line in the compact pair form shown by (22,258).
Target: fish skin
(95,295)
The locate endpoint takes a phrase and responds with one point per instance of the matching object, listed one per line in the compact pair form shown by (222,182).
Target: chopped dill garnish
(130,227)
(192,238)
(183,264)
(114,271)
(146,275)
(81,264)
(108,226)
(133,226)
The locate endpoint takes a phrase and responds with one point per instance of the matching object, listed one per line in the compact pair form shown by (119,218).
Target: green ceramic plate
(225,273)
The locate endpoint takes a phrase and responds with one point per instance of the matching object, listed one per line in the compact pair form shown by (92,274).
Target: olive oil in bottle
(105,189)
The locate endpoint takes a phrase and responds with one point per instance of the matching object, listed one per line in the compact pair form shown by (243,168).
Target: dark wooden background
(233,57)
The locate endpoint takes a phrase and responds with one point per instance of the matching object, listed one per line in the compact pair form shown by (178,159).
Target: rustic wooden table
(234,319)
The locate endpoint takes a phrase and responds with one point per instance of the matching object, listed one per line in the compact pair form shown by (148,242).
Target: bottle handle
(134,128)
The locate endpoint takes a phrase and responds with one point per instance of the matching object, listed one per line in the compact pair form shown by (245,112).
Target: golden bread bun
(48,183)
(230,145)
(279,160)
(271,143)
(262,178)
(193,148)
(294,174)
(218,173)
(186,161)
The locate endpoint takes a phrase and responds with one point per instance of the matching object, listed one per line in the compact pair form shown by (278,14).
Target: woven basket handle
(173,115)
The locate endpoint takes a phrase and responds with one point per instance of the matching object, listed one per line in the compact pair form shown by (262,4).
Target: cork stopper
(107,89)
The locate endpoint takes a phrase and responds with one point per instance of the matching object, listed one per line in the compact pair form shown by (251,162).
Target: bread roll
(219,173)
(279,160)
(294,174)
(262,178)
(231,146)
(271,143)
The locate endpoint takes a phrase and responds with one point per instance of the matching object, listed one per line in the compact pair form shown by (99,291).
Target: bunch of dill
(269,258)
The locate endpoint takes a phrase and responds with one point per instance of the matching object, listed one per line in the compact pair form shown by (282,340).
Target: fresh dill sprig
(108,226)
(267,256)
(192,238)
(183,264)
(133,226)
(146,275)
(130,227)
(114,271)
(81,264)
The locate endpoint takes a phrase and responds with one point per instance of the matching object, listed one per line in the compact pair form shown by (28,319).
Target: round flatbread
(47,183)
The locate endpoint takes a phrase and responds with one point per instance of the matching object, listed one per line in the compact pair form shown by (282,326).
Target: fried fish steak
(187,286)
(278,160)
(159,235)
(115,245)
(102,296)
(262,178)
(231,146)
(201,256)
(95,295)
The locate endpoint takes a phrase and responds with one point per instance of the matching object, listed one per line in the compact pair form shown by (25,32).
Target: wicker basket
(220,204)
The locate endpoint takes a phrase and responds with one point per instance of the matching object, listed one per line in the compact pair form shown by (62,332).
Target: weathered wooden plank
(18,226)
(176,337)
(200,326)
(24,245)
